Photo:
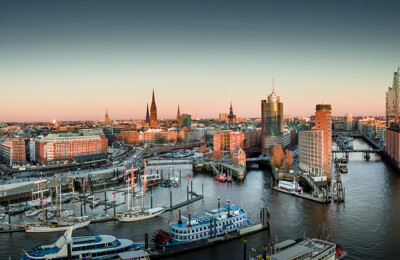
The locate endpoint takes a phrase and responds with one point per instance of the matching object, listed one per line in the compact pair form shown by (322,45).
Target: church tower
(147,114)
(230,116)
(106,118)
(153,113)
(178,114)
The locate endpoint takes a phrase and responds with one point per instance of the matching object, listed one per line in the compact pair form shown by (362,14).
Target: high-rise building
(147,114)
(153,113)
(315,145)
(348,122)
(272,122)
(393,99)
(178,114)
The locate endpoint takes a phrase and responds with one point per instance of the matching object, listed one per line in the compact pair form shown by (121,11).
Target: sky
(69,60)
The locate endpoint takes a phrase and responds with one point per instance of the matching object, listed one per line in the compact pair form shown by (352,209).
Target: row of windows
(83,248)
(110,252)
(207,234)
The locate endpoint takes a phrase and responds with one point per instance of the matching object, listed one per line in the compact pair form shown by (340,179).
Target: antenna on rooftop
(273,87)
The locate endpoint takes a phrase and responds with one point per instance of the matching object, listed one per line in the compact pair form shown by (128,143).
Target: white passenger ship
(93,247)
(217,222)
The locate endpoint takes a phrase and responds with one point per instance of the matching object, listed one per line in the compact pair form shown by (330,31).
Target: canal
(366,225)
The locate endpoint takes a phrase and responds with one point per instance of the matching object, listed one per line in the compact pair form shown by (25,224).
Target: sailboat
(139,214)
(60,225)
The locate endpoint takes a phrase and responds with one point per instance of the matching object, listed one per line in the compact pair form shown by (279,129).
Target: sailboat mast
(73,198)
(144,185)
(56,196)
(41,193)
(132,191)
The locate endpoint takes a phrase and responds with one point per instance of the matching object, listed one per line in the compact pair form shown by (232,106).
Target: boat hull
(47,229)
(123,218)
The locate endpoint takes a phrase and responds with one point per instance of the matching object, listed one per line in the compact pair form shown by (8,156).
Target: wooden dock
(304,195)
(13,230)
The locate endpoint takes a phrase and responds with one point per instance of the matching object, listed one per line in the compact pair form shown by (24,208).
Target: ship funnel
(229,208)
(180,219)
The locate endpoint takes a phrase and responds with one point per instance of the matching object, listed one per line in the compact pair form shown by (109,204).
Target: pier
(23,190)
(217,168)
(193,197)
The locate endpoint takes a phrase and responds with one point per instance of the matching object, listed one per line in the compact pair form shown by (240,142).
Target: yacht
(63,225)
(93,247)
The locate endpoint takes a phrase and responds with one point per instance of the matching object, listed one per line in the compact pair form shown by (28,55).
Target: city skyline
(71,61)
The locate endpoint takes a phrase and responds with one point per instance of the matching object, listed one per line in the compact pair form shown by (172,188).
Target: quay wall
(20,191)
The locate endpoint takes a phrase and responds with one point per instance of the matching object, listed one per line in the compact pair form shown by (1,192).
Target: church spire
(153,112)
(106,117)
(147,114)
(178,114)
(230,116)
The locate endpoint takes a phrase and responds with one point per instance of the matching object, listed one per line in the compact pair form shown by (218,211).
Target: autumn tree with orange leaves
(277,155)
(288,159)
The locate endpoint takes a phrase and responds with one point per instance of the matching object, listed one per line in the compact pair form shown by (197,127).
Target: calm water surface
(367,224)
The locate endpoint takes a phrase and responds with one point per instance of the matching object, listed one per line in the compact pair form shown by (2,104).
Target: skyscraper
(272,123)
(147,114)
(323,120)
(315,145)
(153,113)
(393,99)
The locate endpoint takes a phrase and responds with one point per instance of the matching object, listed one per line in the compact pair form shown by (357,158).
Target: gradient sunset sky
(69,60)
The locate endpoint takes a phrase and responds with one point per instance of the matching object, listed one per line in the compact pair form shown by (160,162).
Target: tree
(277,156)
(217,154)
(288,159)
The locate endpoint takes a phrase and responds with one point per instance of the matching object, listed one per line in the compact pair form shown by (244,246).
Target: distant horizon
(164,119)
(71,60)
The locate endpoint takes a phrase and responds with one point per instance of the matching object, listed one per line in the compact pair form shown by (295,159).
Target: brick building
(57,148)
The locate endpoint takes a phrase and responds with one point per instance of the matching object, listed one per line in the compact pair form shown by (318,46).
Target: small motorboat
(343,168)
(221,178)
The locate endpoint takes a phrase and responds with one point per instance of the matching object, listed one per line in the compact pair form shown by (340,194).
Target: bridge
(259,158)
(359,151)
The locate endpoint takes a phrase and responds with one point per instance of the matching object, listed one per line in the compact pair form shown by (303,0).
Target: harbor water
(367,225)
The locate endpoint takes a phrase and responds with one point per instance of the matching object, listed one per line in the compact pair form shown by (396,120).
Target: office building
(272,122)
(393,99)
(57,148)
(315,145)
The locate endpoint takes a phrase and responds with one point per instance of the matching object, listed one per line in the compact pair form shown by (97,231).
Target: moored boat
(215,223)
(63,225)
(143,213)
(305,248)
(343,168)
(290,186)
(140,214)
(93,247)
(221,178)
